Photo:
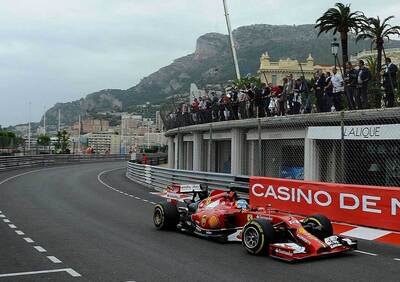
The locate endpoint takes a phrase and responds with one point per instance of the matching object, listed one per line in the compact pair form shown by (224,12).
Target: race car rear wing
(191,188)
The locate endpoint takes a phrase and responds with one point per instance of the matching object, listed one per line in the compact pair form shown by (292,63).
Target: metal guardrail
(12,162)
(152,158)
(159,178)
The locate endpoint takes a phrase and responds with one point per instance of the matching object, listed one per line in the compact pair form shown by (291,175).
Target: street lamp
(335,49)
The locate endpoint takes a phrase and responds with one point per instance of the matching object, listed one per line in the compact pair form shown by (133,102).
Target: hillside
(212,53)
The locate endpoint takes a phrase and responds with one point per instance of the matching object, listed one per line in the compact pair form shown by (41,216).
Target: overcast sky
(57,51)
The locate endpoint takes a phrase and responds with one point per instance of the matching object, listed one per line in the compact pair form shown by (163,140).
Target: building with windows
(274,72)
(393,53)
(104,143)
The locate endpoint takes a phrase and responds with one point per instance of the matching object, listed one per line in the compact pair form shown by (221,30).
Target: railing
(159,178)
(11,162)
(152,158)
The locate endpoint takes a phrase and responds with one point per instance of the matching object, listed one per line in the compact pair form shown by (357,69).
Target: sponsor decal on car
(203,220)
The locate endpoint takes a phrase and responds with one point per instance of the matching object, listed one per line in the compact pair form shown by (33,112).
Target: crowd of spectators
(325,92)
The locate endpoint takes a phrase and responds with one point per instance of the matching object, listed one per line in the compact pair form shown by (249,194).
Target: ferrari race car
(223,216)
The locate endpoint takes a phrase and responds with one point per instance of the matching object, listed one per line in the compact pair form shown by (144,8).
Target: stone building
(274,72)
(393,53)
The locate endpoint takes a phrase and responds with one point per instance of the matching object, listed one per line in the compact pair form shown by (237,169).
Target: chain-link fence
(351,148)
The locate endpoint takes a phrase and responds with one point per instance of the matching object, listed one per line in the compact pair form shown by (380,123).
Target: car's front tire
(257,235)
(319,226)
(165,216)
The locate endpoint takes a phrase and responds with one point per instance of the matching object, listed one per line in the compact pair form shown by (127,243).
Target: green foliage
(378,31)
(371,62)
(247,80)
(43,139)
(8,139)
(62,143)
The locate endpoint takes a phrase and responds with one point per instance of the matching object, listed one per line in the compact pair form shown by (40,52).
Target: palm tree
(341,20)
(378,31)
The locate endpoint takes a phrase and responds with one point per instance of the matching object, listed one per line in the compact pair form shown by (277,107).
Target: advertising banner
(355,204)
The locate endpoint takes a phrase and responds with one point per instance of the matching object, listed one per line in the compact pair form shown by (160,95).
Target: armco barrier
(158,177)
(11,162)
(377,207)
(356,204)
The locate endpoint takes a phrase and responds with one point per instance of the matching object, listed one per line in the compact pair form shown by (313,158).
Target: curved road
(89,223)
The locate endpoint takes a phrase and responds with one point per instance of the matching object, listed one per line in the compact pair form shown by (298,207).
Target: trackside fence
(159,177)
(11,162)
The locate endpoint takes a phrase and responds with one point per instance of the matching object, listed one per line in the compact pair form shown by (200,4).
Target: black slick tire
(165,216)
(322,226)
(257,235)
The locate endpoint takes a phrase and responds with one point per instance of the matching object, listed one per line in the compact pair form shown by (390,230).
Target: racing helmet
(242,204)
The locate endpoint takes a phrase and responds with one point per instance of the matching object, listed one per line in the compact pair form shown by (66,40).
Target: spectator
(337,90)
(265,98)
(282,98)
(289,92)
(363,77)
(351,83)
(242,99)
(296,101)
(258,101)
(250,103)
(320,83)
(328,96)
(235,104)
(389,81)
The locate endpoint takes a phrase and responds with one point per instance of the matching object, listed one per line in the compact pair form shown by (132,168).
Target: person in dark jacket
(319,86)
(390,81)
(363,78)
(351,84)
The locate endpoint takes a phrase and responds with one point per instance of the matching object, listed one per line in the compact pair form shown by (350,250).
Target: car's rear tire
(257,235)
(321,226)
(165,216)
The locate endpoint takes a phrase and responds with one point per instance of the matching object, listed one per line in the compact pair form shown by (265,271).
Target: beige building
(274,72)
(89,125)
(130,123)
(103,143)
(393,53)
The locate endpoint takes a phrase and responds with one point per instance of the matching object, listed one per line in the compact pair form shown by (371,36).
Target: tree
(62,143)
(378,31)
(43,140)
(340,20)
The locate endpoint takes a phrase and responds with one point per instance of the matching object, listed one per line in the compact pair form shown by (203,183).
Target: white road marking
(29,240)
(365,253)
(144,200)
(70,271)
(40,249)
(6,220)
(2,216)
(12,226)
(365,233)
(103,172)
(398,259)
(54,259)
(153,203)
(19,232)
(137,198)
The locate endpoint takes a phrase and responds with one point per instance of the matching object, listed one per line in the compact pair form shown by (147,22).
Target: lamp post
(335,49)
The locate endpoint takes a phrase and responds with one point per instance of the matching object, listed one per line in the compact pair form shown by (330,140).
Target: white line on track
(6,220)
(29,240)
(53,259)
(19,232)
(398,259)
(365,253)
(40,249)
(70,271)
(12,226)
(2,216)
(116,190)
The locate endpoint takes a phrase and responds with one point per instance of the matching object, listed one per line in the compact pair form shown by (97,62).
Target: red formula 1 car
(223,216)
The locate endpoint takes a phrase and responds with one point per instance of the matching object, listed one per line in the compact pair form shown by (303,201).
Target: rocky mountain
(211,63)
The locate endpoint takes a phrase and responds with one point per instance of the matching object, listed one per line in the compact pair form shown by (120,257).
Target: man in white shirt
(337,89)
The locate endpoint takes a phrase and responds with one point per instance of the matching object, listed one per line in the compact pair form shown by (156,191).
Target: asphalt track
(89,223)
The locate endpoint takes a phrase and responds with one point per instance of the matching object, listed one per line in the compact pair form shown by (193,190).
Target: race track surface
(89,223)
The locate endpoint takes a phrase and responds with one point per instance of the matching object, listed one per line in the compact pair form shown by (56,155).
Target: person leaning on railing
(390,82)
